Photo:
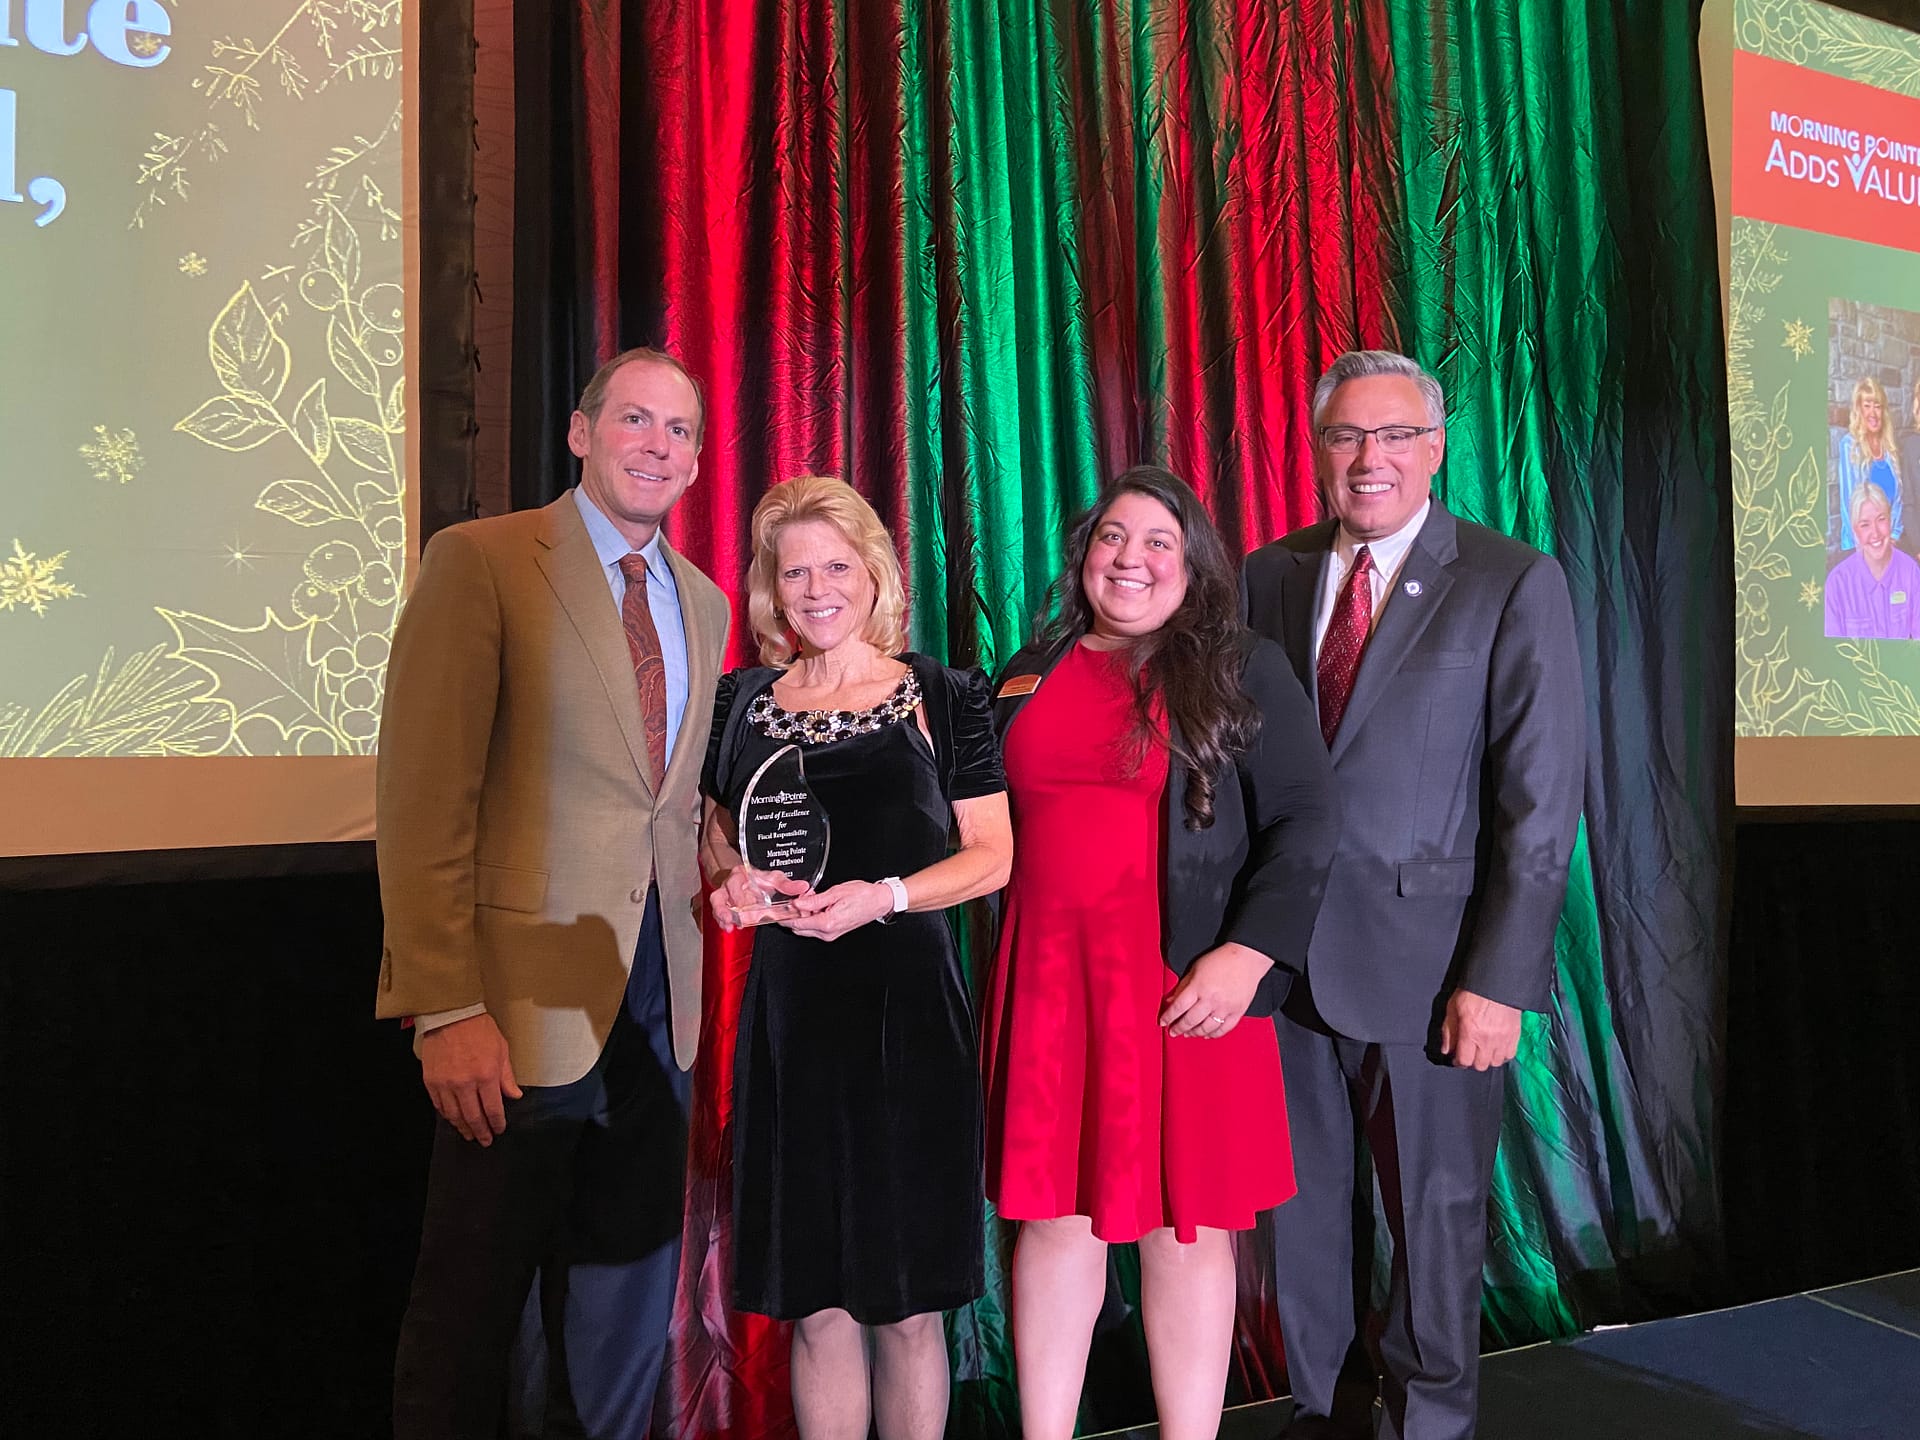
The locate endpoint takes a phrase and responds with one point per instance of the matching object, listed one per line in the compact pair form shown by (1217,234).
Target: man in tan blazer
(547,708)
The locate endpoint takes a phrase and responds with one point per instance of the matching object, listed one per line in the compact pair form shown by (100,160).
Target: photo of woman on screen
(1872,594)
(1867,455)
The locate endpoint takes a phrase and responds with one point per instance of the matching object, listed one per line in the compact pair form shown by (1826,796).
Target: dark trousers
(1432,1131)
(581,1193)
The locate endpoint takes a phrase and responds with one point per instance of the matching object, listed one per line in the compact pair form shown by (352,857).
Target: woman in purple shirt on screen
(1873,593)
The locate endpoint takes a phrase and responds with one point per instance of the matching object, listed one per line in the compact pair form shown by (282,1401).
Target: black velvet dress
(856,1108)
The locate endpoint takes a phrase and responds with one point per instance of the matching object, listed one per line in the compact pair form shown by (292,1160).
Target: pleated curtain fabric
(978,257)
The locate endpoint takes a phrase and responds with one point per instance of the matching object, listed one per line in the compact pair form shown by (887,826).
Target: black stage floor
(1836,1364)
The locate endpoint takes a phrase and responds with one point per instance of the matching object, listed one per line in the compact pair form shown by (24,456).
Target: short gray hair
(1358,364)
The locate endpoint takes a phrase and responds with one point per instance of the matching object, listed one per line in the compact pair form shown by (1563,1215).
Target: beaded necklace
(818,727)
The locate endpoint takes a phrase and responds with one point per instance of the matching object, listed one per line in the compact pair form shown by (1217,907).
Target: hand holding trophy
(784,833)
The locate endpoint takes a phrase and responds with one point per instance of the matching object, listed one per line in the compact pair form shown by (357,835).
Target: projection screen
(1815,114)
(207,218)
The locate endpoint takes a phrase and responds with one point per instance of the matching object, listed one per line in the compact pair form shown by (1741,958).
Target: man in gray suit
(1442,661)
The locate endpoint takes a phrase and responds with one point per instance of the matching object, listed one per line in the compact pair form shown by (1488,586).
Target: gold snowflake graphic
(28,580)
(113,455)
(1799,339)
(1810,594)
(193,263)
(143,43)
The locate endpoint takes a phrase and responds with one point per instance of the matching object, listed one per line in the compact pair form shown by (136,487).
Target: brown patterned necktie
(649,667)
(1341,647)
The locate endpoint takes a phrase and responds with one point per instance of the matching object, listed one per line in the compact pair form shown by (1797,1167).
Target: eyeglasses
(1394,439)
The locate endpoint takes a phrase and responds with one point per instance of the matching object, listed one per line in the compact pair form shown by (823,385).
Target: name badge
(1016,685)
(1899,597)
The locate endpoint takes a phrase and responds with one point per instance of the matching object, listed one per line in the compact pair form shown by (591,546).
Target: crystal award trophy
(783,826)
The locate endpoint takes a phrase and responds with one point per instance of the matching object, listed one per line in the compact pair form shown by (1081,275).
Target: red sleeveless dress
(1092,1109)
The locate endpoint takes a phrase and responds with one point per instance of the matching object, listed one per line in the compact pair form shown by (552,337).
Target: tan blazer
(517,830)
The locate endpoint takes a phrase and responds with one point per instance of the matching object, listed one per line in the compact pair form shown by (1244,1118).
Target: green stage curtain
(977,257)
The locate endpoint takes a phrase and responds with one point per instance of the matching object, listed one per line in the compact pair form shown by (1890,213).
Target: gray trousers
(1432,1131)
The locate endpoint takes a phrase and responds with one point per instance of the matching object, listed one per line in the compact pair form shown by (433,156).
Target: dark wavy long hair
(1191,664)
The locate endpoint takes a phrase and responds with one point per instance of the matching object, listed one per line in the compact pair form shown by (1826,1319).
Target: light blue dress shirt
(663,599)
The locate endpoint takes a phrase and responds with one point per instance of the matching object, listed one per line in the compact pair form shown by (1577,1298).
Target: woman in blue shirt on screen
(1867,454)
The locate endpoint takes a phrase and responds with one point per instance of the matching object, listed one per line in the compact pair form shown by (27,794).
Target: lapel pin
(1413,587)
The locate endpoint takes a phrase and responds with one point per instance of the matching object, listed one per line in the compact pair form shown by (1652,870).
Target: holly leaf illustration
(262,670)
(396,412)
(304,502)
(247,352)
(232,422)
(311,425)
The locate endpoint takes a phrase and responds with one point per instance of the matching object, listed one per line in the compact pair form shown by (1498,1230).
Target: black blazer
(1460,763)
(1256,874)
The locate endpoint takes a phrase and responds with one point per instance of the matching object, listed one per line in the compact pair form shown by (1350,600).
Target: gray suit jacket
(1460,768)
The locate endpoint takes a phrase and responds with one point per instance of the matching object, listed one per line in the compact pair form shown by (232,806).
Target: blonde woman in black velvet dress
(857,1127)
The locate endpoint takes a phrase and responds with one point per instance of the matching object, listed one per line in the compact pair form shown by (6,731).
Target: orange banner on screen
(1821,153)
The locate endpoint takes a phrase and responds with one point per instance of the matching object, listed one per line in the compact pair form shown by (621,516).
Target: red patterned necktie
(1341,647)
(649,668)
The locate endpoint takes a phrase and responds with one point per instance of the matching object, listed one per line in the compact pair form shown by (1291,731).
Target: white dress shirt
(1388,555)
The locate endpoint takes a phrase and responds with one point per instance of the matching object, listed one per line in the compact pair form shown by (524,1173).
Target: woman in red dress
(1173,820)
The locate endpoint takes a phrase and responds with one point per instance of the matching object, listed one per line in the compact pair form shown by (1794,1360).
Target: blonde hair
(833,502)
(1864,494)
(1916,403)
(1868,386)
